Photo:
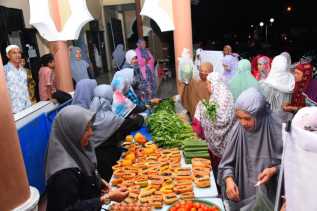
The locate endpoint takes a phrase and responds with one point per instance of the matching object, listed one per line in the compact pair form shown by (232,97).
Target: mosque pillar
(182,32)
(139,18)
(14,187)
(63,73)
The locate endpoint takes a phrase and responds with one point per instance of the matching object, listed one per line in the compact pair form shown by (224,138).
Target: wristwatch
(106,199)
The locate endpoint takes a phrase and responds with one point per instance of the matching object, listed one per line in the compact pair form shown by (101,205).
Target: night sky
(229,21)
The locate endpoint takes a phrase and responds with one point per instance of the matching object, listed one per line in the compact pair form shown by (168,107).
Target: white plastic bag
(185,67)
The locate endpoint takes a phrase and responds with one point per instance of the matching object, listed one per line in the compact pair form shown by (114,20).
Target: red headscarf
(298,99)
(255,71)
(266,61)
(254,64)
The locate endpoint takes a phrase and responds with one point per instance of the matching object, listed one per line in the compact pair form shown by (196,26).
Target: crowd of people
(23,86)
(253,99)
(86,138)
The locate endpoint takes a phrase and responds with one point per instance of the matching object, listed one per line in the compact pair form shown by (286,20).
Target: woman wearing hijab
(263,68)
(197,90)
(300,157)
(279,85)
(254,64)
(243,79)
(118,56)
(72,180)
(109,130)
(146,65)
(289,60)
(252,157)
(121,85)
(127,74)
(311,93)
(230,64)
(132,73)
(214,132)
(227,50)
(303,76)
(79,67)
(84,92)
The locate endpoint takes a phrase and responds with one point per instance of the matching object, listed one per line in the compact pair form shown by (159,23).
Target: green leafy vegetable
(211,110)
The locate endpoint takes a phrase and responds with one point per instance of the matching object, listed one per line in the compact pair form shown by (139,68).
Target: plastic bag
(197,63)
(121,105)
(185,67)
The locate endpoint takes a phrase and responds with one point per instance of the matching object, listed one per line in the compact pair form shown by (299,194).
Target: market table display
(158,177)
(155,172)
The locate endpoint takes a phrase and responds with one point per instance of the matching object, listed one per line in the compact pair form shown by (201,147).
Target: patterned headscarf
(310,93)
(266,61)
(216,131)
(298,99)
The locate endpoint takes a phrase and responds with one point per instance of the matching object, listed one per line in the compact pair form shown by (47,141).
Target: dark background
(216,23)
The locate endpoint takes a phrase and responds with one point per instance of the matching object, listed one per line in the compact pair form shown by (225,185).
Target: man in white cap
(16,78)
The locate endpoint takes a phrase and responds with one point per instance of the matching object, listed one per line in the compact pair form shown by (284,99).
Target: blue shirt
(17,87)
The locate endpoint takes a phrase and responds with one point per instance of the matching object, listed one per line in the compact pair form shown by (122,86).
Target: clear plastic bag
(185,67)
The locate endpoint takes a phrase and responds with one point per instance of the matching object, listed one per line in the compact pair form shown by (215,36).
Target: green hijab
(243,79)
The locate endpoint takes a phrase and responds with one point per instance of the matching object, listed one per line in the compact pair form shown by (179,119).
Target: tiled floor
(167,88)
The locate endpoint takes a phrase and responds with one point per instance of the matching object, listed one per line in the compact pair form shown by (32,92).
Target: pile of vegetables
(165,105)
(168,130)
(194,148)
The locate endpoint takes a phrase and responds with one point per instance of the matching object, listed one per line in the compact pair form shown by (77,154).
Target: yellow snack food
(139,138)
(129,138)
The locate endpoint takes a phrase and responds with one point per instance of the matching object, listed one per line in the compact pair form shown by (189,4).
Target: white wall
(94,7)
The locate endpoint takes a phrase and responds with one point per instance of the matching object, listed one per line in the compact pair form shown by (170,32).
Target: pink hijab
(143,62)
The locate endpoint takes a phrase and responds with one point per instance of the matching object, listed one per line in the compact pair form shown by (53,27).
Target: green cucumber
(196,149)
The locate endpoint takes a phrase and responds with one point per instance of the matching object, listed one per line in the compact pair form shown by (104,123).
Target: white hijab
(279,77)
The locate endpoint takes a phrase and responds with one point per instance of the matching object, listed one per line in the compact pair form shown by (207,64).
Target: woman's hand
(283,208)
(155,101)
(266,175)
(105,187)
(118,195)
(232,190)
(288,108)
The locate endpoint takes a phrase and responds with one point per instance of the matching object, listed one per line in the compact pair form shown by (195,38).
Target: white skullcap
(10,47)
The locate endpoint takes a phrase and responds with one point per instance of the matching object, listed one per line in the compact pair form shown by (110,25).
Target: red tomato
(178,205)
(188,206)
(193,209)
(196,205)
(174,209)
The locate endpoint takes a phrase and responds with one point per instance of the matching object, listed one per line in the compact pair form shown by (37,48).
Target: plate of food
(194,205)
